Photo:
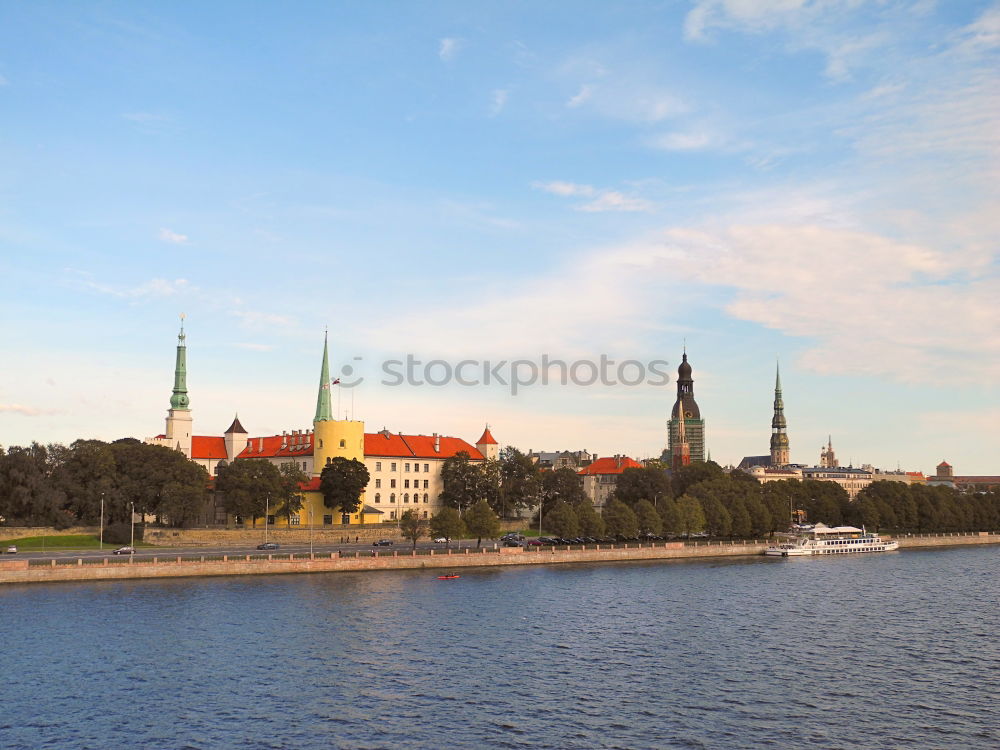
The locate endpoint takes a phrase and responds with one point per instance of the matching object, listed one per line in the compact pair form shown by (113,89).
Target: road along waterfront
(184,565)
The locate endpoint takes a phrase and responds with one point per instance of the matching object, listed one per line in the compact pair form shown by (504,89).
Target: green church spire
(324,413)
(179,400)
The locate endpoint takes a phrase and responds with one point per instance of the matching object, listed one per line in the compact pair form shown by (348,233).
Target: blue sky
(809,181)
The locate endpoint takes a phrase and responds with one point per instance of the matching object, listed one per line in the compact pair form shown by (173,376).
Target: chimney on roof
(437,443)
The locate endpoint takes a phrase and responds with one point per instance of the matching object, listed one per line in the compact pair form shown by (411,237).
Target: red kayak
(449,577)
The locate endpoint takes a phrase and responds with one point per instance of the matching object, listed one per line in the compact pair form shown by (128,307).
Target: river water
(898,650)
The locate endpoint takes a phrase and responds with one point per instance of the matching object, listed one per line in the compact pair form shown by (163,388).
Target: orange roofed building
(601,477)
(404,470)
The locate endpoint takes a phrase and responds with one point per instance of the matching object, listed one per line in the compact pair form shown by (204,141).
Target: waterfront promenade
(186,565)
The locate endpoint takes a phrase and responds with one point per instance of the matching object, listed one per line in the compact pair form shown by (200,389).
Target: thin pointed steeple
(779,438)
(179,400)
(324,413)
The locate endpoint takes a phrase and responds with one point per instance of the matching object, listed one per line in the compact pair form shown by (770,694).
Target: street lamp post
(101,537)
(132,525)
(310,532)
(267,502)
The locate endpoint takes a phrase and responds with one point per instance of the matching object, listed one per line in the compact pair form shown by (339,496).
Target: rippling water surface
(884,651)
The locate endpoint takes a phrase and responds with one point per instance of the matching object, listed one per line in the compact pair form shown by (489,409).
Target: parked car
(534,543)
(12,550)
(441,540)
(124,551)
(512,543)
(269,545)
(382,543)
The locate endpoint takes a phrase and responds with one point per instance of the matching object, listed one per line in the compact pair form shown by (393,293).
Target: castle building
(686,411)
(404,470)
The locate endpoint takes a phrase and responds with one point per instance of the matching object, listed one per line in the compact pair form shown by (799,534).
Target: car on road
(124,551)
(269,545)
(441,540)
(382,543)
(12,550)
(512,543)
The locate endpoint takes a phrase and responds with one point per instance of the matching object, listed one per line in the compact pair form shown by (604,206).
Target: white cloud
(580,97)
(612,200)
(754,15)
(499,101)
(983,33)
(564,188)
(150,289)
(173,237)
(25,411)
(603,200)
(682,141)
(448,48)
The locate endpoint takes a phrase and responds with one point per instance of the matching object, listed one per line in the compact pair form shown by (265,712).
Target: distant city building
(827,459)
(574,460)
(852,480)
(765,474)
(906,477)
(601,477)
(685,409)
(945,476)
(405,470)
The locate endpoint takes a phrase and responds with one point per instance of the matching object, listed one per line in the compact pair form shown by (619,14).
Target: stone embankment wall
(175,566)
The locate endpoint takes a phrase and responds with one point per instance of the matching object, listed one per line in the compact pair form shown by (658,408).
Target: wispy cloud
(26,411)
(580,96)
(500,97)
(448,48)
(149,289)
(603,200)
(173,237)
(612,200)
(259,318)
(683,141)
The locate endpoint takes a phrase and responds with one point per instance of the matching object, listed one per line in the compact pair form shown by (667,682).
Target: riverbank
(181,566)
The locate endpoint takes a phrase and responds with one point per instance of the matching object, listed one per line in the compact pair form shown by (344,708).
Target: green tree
(87,473)
(688,476)
(448,523)
(520,483)
(690,514)
(634,485)
(463,482)
(28,494)
(760,518)
(561,520)
(718,520)
(671,517)
(247,486)
(292,479)
(482,522)
(412,526)
(619,519)
(741,523)
(562,484)
(648,518)
(591,523)
(342,481)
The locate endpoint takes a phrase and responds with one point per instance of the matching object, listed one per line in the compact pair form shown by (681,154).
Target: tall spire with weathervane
(179,399)
(179,419)
(324,412)
(779,438)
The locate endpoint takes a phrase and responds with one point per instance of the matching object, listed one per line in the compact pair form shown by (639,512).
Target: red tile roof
(377,444)
(208,447)
(610,465)
(416,446)
(487,438)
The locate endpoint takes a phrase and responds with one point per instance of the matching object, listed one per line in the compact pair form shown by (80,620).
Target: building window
(294,520)
(416,467)
(378,483)
(392,497)
(406,483)
(407,467)
(328,520)
(425,514)
(378,497)
(425,484)
(406,497)
(392,515)
(392,483)
(392,466)
(343,443)
(321,442)
(427,467)
(303,466)
(426,498)
(378,466)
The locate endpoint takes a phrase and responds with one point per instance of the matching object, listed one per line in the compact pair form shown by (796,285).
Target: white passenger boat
(821,539)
